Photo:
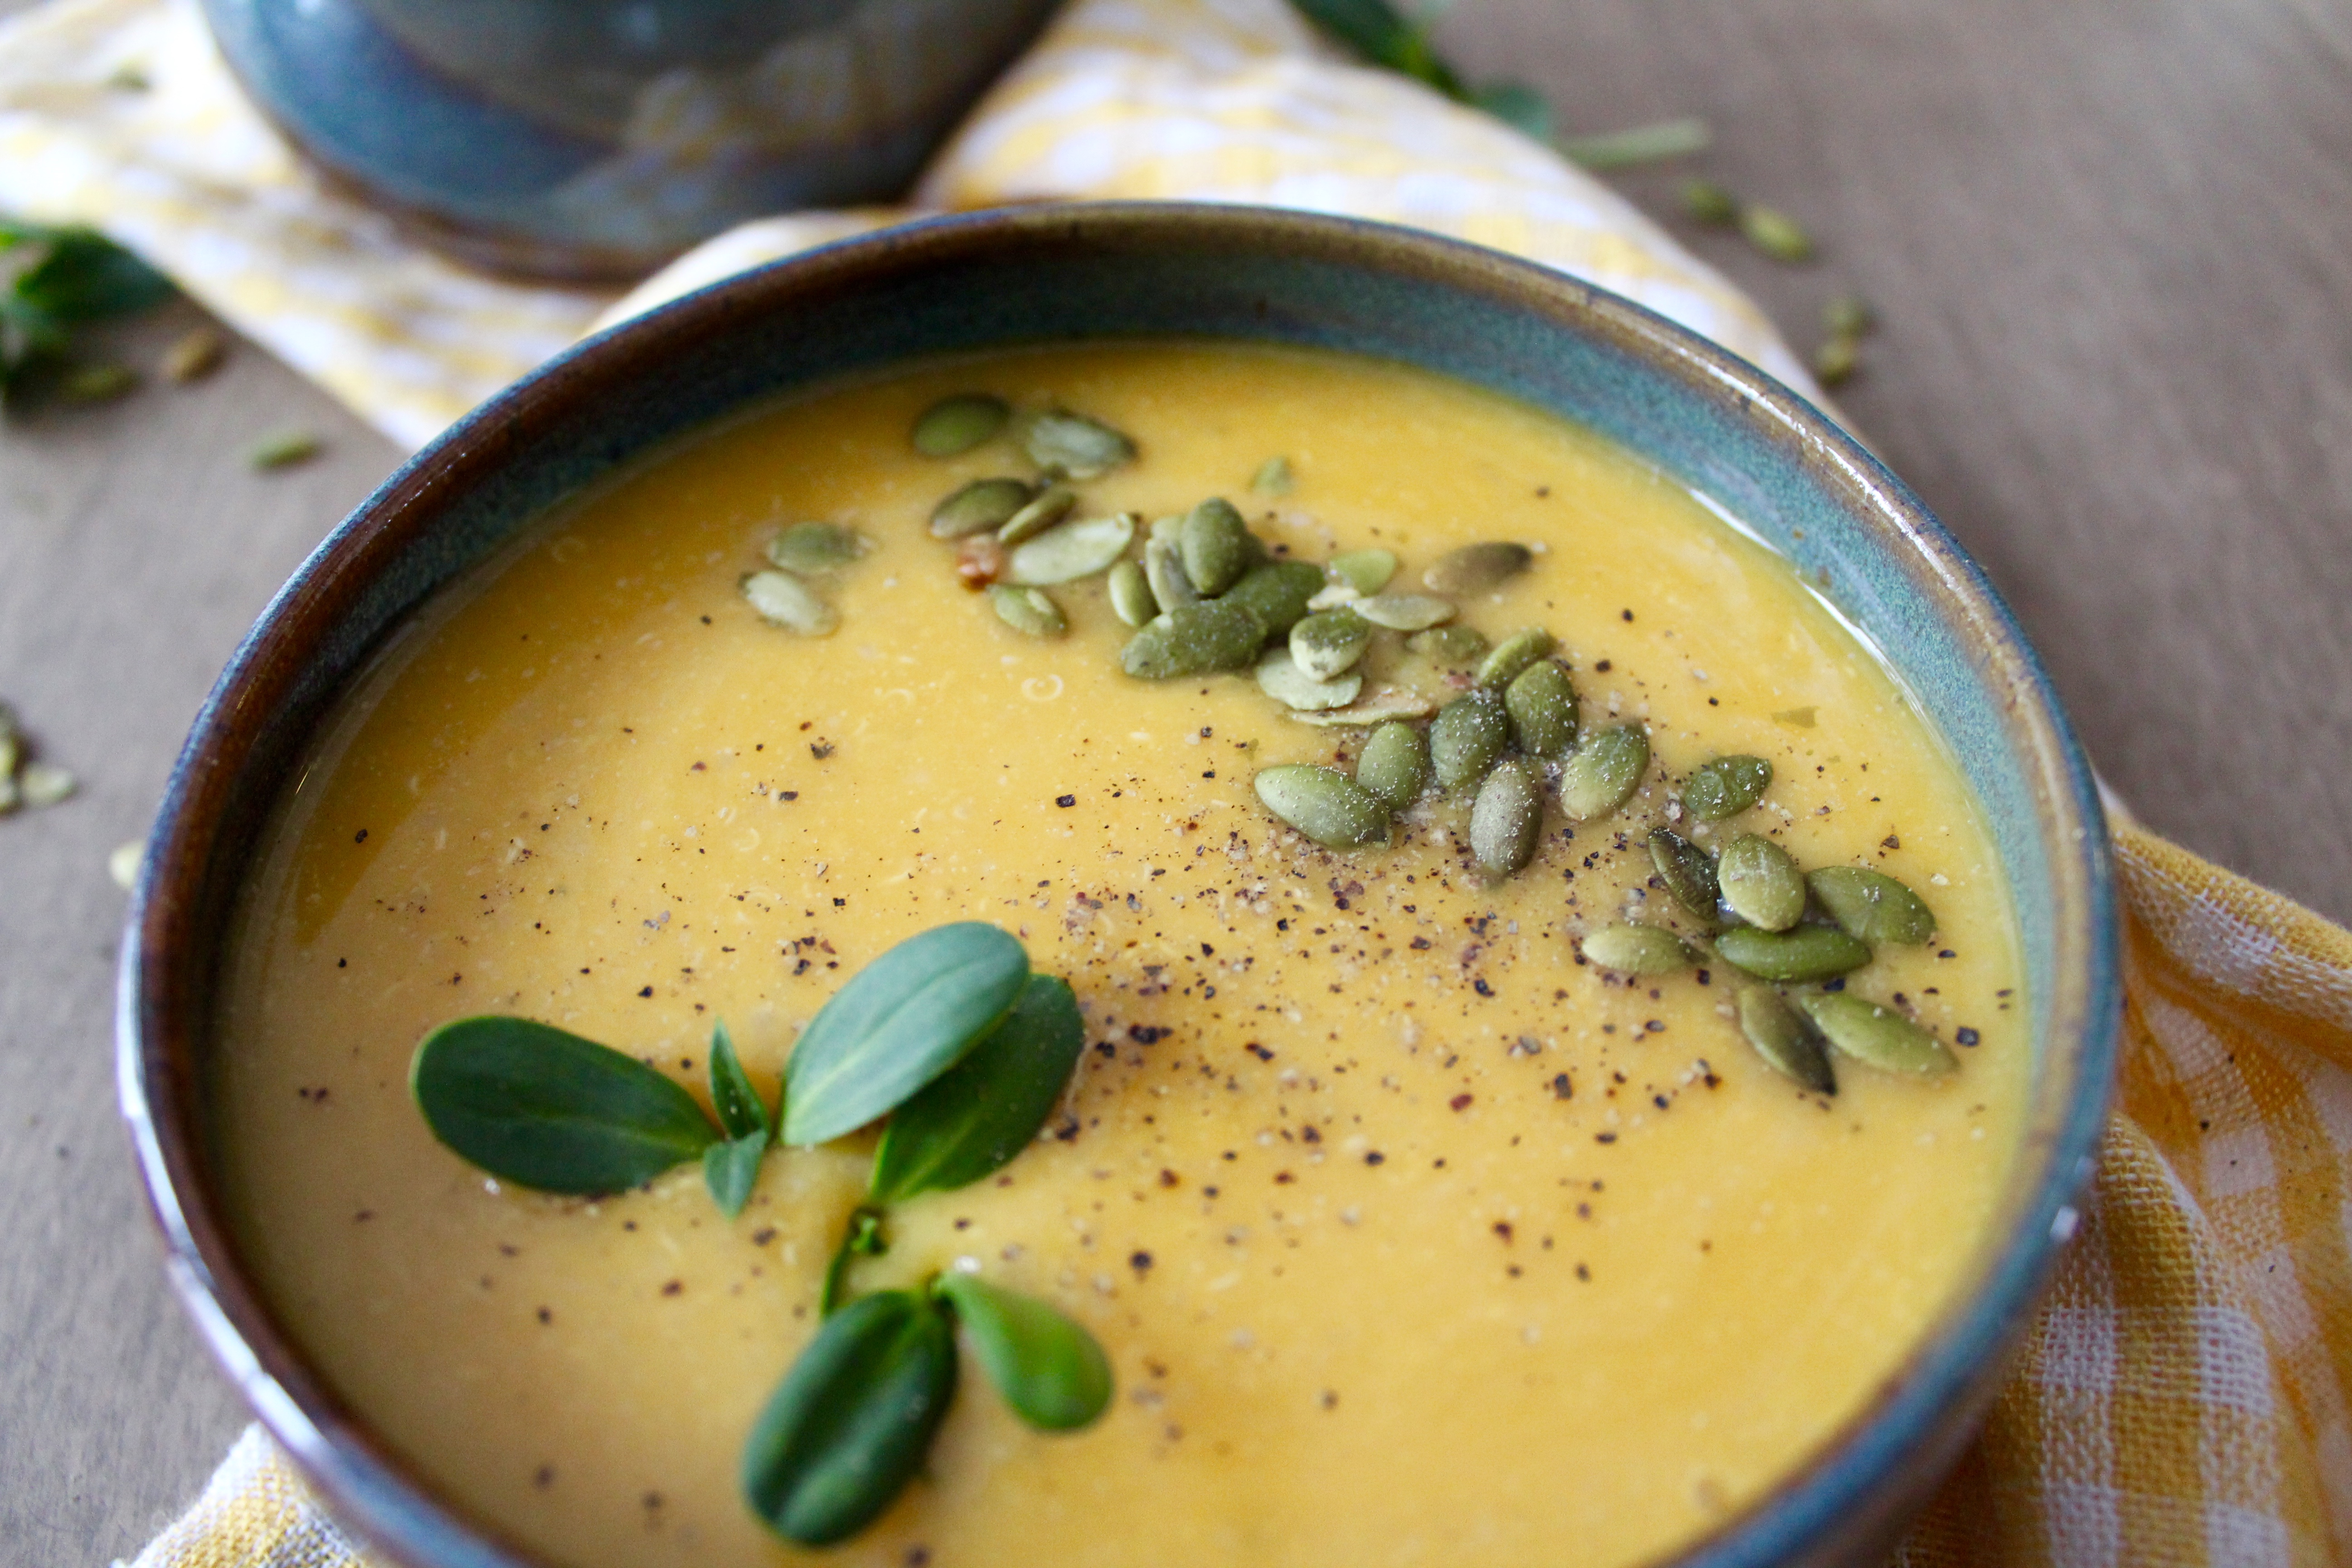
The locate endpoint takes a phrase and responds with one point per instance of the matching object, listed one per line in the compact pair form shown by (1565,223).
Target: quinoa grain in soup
(1547,1030)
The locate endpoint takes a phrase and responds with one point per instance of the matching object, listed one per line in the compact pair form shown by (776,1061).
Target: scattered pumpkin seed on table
(1796,957)
(45,784)
(1630,948)
(1878,1035)
(195,355)
(283,449)
(1478,568)
(1070,551)
(1872,905)
(784,600)
(1687,870)
(1726,787)
(1760,883)
(1329,642)
(1785,1039)
(1324,803)
(1029,611)
(1073,445)
(1506,819)
(1467,738)
(1541,701)
(980,507)
(1602,773)
(1280,677)
(1394,763)
(954,426)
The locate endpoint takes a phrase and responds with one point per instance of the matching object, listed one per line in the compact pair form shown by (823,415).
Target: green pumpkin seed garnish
(1794,957)
(99,382)
(1029,611)
(1602,773)
(1872,905)
(1760,883)
(1638,950)
(1192,639)
(1687,870)
(1168,529)
(1324,803)
(284,449)
(1403,612)
(1273,478)
(1785,1039)
(1217,546)
(1073,445)
(849,1425)
(1328,643)
(1454,647)
(1478,568)
(1469,735)
(1365,571)
(1277,593)
(1836,359)
(1394,764)
(1131,599)
(1726,787)
(784,600)
(1072,551)
(956,425)
(45,784)
(1776,234)
(980,507)
(1387,703)
(813,549)
(1878,1036)
(1506,819)
(1163,570)
(1280,677)
(1514,654)
(1709,202)
(1541,701)
(1050,505)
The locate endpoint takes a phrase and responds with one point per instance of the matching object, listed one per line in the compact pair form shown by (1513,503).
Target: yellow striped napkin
(2182,1399)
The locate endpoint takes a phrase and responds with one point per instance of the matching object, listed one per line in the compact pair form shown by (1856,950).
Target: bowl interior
(1717,424)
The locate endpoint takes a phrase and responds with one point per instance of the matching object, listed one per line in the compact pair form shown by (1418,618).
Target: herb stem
(861,1237)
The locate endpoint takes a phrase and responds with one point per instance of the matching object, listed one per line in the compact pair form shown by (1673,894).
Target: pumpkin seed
(1324,803)
(1190,639)
(1455,648)
(1075,447)
(45,784)
(1506,819)
(1760,883)
(1168,529)
(1276,593)
(1785,1039)
(1872,905)
(1273,478)
(1394,764)
(1365,571)
(96,382)
(1687,870)
(1469,735)
(784,600)
(1793,957)
(123,863)
(1050,505)
(979,507)
(1280,677)
(194,356)
(1835,360)
(1709,202)
(1476,568)
(1325,644)
(283,449)
(1776,234)
(1541,701)
(1405,611)
(1514,654)
(812,549)
(1331,597)
(1848,316)
(958,424)
(1878,1036)
(1726,787)
(1388,702)
(1163,570)
(11,796)
(1217,546)
(1070,551)
(1603,773)
(1028,611)
(1132,597)
(1638,950)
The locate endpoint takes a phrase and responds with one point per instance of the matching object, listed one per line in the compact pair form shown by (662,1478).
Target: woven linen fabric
(2182,1398)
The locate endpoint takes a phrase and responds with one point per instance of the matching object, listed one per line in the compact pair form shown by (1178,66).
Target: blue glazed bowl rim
(1844,1498)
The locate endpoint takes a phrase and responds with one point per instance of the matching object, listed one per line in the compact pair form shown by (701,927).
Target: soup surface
(1413,1238)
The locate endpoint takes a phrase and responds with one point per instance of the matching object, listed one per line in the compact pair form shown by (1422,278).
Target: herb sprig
(950,1037)
(53,280)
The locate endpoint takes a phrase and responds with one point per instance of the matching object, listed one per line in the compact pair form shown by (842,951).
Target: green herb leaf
(983,1110)
(86,277)
(1049,1369)
(1376,31)
(533,1105)
(731,1170)
(1517,105)
(849,1425)
(901,1022)
(742,1112)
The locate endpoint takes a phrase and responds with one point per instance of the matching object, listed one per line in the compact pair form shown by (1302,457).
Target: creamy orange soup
(1412,1239)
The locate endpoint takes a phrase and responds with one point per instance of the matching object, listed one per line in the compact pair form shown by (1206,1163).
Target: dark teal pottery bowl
(1716,423)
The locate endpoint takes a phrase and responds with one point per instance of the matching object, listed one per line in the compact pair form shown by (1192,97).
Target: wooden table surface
(2111,248)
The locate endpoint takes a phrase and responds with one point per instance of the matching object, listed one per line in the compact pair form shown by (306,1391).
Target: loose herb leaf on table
(532,1104)
(55,279)
(983,1112)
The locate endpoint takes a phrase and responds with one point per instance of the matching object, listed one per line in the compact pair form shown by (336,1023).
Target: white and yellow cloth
(2185,1397)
